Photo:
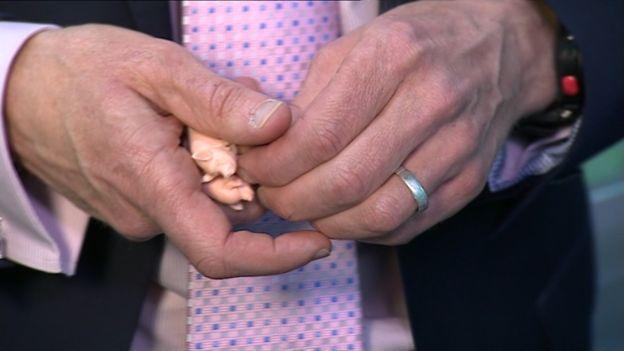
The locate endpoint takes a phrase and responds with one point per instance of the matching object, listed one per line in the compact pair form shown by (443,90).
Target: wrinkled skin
(435,86)
(98,112)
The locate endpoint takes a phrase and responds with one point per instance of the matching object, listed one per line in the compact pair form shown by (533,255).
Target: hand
(435,86)
(97,112)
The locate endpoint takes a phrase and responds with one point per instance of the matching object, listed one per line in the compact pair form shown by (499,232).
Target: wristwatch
(567,107)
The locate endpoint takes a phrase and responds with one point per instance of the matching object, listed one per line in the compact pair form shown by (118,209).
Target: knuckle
(385,215)
(148,66)
(169,56)
(285,211)
(405,233)
(473,182)
(446,99)
(327,140)
(469,132)
(276,202)
(457,154)
(347,186)
(322,57)
(402,34)
(136,229)
(450,94)
(212,267)
(145,62)
(166,49)
(491,104)
(222,96)
(141,56)
(404,47)
(157,51)
(361,58)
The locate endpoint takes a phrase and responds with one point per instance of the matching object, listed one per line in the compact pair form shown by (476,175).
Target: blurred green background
(605,178)
(606,168)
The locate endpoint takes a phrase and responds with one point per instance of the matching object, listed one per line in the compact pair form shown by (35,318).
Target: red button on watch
(570,86)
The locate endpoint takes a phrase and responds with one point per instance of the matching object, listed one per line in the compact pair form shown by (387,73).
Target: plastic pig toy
(217,159)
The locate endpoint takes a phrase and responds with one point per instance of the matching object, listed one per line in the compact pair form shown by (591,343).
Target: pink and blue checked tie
(316,307)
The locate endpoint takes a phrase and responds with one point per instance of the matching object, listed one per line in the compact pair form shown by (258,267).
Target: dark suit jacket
(512,271)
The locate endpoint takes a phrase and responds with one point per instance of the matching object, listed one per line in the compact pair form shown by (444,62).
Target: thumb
(249,82)
(209,103)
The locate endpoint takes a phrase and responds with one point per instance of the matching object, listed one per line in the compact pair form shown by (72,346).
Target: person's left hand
(435,86)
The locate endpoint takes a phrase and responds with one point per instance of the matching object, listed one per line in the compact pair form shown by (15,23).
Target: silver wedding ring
(418,192)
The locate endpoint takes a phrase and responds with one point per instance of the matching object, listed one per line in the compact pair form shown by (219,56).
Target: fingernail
(261,114)
(322,253)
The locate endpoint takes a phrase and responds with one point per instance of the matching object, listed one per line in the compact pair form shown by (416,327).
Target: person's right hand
(97,113)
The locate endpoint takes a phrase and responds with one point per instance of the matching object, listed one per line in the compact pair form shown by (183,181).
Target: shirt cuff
(519,159)
(35,226)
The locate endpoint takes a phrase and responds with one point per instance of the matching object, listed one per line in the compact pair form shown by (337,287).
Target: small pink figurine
(217,158)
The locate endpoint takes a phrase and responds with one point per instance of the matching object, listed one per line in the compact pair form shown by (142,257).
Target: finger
(196,225)
(178,83)
(348,103)
(433,164)
(251,211)
(324,66)
(246,253)
(379,214)
(360,169)
(249,82)
(450,198)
